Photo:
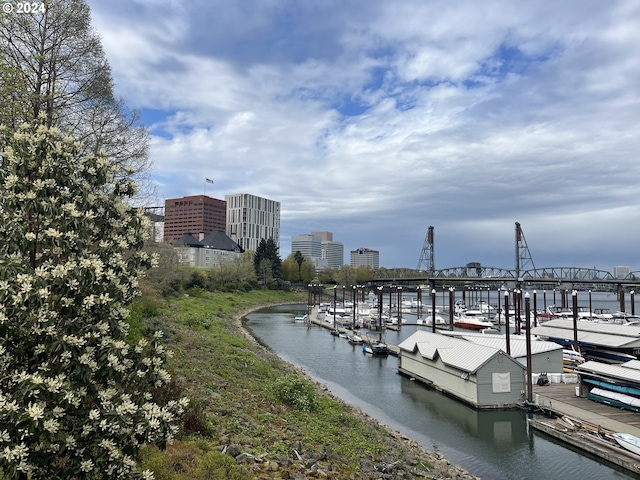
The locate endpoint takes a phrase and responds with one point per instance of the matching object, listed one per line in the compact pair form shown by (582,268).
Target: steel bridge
(547,274)
(525,270)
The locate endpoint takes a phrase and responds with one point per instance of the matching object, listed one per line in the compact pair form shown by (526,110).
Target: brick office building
(196,214)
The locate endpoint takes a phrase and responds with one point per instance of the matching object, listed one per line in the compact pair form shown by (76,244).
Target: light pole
(399,306)
(506,321)
(433,310)
(527,309)
(574,298)
(451,307)
(335,299)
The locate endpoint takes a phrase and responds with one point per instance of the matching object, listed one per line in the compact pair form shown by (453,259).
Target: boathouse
(545,356)
(483,377)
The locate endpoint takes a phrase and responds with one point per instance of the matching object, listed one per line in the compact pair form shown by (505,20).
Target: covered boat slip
(484,377)
(616,385)
(593,337)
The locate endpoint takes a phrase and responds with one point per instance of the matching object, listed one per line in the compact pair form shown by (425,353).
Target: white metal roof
(517,343)
(454,352)
(600,334)
(621,371)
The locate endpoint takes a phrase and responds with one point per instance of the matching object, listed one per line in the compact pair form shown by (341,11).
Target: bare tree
(53,67)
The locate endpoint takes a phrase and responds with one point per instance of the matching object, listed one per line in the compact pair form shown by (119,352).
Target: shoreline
(441,466)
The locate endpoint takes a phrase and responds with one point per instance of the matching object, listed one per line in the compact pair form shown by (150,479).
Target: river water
(491,445)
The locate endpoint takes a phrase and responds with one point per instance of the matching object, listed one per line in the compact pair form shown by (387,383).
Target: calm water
(492,445)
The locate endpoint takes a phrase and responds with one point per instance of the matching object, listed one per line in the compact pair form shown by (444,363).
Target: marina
(501,444)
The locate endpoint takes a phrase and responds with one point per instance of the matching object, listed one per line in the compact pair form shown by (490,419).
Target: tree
(52,63)
(290,270)
(267,250)
(299,258)
(298,268)
(76,401)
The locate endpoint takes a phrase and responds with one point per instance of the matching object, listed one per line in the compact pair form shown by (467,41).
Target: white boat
(300,317)
(572,356)
(627,441)
(427,320)
(471,321)
(375,348)
(355,340)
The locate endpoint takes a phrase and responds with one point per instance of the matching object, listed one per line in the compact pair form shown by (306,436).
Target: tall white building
(307,244)
(251,218)
(365,257)
(333,253)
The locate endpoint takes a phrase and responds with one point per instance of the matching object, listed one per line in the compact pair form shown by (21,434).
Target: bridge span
(525,271)
(476,274)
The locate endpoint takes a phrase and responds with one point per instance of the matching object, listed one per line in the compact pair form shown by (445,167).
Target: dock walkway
(586,424)
(370,336)
(560,399)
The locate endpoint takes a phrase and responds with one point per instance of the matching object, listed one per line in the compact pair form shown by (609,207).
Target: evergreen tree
(267,250)
(75,399)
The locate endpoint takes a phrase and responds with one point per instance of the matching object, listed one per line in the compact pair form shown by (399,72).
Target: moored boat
(472,322)
(375,348)
(627,441)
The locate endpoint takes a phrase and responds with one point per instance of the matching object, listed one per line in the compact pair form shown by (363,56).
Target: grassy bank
(244,396)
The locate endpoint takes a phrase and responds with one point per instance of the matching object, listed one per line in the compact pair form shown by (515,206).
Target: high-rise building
(195,214)
(365,257)
(320,247)
(307,244)
(621,271)
(333,252)
(251,219)
(323,236)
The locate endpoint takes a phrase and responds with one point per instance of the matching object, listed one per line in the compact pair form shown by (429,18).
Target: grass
(245,395)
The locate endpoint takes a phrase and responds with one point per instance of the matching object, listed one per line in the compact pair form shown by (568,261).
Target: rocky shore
(308,463)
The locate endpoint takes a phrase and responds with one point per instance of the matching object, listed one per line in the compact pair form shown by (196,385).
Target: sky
(374,119)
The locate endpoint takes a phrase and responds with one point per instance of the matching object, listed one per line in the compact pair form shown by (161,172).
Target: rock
(234,450)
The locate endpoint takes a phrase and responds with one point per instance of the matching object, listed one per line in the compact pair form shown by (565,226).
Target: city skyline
(375,120)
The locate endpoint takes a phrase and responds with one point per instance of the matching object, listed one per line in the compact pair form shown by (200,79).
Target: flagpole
(204,188)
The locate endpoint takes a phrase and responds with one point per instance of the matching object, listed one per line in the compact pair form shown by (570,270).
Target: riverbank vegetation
(252,415)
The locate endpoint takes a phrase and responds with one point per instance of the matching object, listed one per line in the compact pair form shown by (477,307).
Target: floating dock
(584,423)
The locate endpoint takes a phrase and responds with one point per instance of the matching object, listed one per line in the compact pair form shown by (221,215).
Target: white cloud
(377,119)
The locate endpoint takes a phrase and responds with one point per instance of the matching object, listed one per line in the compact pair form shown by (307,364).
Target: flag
(209,180)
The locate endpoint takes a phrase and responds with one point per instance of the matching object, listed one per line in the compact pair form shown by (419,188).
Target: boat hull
(628,442)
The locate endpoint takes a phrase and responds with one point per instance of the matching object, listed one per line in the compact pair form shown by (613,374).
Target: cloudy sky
(375,119)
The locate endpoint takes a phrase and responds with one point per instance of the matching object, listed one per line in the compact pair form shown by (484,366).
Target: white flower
(35,411)
(51,425)
(86,466)
(11,180)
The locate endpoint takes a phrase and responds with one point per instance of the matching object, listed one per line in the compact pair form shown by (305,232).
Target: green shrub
(296,392)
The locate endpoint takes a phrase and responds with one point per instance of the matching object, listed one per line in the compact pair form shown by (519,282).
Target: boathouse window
(501,382)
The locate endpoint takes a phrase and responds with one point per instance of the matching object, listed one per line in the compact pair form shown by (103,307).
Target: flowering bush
(75,398)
